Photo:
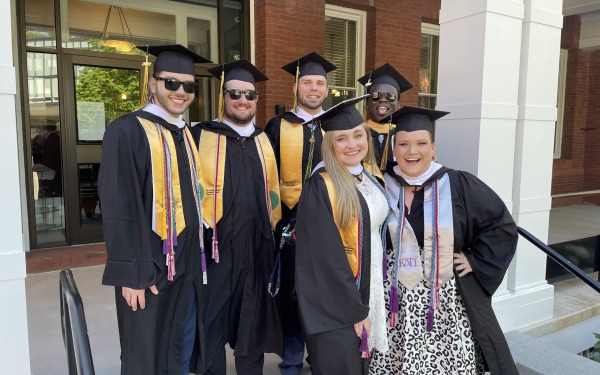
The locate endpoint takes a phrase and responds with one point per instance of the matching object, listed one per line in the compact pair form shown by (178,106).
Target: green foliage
(107,85)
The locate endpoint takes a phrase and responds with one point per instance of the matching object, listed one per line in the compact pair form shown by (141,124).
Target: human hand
(462,265)
(135,297)
(358,327)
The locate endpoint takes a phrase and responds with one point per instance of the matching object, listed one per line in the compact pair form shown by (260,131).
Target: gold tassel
(221,95)
(384,154)
(144,93)
(367,85)
(296,91)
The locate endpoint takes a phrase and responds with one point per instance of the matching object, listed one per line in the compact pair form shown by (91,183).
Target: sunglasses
(173,85)
(236,94)
(390,96)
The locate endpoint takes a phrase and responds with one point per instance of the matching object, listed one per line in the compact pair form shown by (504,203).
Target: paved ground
(45,340)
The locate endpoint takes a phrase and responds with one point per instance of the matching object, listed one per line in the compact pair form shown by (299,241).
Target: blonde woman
(339,251)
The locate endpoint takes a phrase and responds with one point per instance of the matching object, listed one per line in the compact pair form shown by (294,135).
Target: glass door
(98,91)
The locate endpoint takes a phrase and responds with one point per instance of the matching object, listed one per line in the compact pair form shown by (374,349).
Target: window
(344,47)
(428,66)
(560,102)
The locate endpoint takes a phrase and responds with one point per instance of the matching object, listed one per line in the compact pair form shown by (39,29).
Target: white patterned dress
(378,211)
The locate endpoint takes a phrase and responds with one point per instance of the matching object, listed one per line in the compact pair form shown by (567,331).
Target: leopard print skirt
(449,348)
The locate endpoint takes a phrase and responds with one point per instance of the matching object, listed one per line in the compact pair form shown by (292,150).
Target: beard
(239,118)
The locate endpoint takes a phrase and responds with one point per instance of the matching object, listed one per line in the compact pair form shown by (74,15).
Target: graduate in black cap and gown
(452,240)
(339,250)
(384,86)
(148,188)
(298,151)
(240,207)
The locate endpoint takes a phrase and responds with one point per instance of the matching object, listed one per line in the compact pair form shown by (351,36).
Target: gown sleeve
(328,298)
(124,171)
(489,231)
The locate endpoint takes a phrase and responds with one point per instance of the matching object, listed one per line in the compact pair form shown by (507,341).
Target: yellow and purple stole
(167,210)
(384,129)
(351,237)
(212,179)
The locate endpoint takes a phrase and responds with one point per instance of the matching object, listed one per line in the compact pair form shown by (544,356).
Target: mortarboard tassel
(144,93)
(384,154)
(220,109)
(364,344)
(296,91)
(367,86)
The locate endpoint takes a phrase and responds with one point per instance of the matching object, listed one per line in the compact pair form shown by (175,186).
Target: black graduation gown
(487,235)
(328,299)
(286,296)
(378,148)
(135,257)
(237,307)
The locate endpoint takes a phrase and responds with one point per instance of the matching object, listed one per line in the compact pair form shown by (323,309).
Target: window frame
(431,30)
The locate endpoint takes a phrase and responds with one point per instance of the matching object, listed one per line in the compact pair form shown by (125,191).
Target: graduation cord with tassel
(394,300)
(365,352)
(311,151)
(215,240)
(196,185)
(170,208)
(434,276)
(287,235)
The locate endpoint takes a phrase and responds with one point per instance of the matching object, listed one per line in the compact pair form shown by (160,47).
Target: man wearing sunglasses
(154,251)
(298,150)
(240,208)
(384,86)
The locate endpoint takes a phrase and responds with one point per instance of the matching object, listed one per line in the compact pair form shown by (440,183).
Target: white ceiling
(572,7)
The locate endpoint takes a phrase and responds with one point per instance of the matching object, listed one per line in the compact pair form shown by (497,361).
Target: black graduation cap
(386,74)
(241,70)
(311,64)
(410,119)
(342,116)
(174,58)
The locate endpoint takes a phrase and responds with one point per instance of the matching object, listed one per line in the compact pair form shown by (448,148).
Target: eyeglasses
(236,94)
(173,85)
(377,95)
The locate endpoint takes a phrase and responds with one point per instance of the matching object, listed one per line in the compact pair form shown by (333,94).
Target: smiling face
(383,107)
(312,91)
(242,111)
(414,152)
(351,146)
(174,102)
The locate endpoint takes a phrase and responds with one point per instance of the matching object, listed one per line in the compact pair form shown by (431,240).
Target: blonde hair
(348,205)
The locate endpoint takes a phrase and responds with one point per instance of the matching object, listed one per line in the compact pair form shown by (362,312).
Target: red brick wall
(284,31)
(568,171)
(592,146)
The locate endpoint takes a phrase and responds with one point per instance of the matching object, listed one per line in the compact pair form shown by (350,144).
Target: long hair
(348,205)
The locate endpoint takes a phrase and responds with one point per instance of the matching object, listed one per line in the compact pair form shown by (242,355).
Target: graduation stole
(291,149)
(351,236)
(167,211)
(437,265)
(384,129)
(212,178)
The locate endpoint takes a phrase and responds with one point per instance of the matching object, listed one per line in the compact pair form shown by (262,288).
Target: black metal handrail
(560,259)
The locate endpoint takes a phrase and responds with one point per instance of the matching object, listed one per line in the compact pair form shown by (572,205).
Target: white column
(540,54)
(14,356)
(481,80)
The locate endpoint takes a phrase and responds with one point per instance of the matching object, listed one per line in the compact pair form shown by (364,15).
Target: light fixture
(118,44)
(124,96)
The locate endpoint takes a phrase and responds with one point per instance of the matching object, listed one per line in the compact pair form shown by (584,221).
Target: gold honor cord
(311,152)
(144,94)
